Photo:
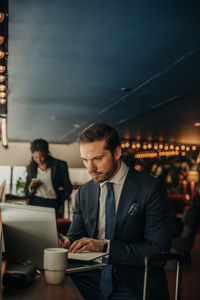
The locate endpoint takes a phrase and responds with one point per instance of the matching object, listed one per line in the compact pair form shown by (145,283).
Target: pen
(60,237)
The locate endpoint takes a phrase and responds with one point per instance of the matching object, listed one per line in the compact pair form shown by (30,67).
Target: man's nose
(92,166)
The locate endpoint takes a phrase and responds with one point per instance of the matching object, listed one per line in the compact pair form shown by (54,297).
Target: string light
(2,78)
(133,146)
(3,100)
(127,144)
(138,145)
(159,149)
(2,94)
(2,54)
(1,17)
(2,69)
(146,155)
(1,39)
(2,87)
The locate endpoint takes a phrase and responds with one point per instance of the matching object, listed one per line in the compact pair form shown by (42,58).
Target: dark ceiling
(69,60)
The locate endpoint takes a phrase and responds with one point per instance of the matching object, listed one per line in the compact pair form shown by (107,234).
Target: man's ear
(118,152)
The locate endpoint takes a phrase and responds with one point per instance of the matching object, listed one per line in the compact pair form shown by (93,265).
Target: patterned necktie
(106,286)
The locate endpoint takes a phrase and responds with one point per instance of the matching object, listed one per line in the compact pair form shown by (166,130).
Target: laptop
(28,230)
(79,262)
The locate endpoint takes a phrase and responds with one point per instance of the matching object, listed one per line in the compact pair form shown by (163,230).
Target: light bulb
(3,100)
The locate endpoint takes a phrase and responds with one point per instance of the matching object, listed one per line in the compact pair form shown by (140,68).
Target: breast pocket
(133,227)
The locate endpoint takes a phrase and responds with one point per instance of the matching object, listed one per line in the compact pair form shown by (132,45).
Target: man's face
(99,162)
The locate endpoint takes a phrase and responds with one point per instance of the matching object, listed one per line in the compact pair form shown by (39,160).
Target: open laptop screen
(27,231)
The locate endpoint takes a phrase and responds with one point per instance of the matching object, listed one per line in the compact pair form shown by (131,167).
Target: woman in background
(47,183)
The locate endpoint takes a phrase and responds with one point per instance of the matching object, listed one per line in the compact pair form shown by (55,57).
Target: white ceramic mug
(55,264)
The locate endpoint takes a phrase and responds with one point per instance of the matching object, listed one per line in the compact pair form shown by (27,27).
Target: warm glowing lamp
(2,78)
(3,101)
(184,186)
(192,177)
(2,69)
(2,17)
(1,39)
(2,87)
(2,54)
(2,94)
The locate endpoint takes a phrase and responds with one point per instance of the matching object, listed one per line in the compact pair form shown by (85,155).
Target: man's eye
(98,158)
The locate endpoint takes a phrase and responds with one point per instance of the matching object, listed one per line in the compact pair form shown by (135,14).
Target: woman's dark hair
(100,131)
(40,145)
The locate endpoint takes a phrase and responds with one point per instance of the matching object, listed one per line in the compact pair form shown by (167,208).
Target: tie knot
(109,186)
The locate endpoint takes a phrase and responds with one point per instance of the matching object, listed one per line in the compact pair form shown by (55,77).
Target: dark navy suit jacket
(142,228)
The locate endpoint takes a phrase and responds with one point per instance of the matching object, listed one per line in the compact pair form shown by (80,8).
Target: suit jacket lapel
(53,171)
(128,196)
(93,208)
(33,169)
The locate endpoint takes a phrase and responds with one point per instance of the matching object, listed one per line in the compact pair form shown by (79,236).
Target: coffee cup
(55,264)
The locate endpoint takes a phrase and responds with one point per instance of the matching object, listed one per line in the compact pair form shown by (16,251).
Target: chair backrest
(190,223)
(150,261)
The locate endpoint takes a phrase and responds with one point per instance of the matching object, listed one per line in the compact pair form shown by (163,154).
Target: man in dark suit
(140,222)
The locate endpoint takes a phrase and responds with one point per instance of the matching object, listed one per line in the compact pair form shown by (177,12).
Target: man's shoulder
(89,186)
(143,177)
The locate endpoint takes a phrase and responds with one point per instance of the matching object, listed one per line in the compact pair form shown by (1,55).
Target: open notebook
(28,230)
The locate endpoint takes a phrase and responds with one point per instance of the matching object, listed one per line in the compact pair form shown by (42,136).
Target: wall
(18,154)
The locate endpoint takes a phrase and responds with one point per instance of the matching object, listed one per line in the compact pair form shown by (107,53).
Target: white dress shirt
(45,190)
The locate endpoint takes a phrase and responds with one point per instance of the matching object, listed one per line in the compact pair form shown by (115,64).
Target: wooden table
(40,289)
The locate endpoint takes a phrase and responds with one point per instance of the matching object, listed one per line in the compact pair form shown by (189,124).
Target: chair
(177,202)
(63,225)
(153,261)
(185,242)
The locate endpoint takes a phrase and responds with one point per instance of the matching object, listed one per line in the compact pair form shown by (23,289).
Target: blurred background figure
(47,183)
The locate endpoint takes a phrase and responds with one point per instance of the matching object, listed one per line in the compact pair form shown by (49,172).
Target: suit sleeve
(77,229)
(156,237)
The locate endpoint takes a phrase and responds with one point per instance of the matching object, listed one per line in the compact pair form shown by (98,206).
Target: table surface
(40,289)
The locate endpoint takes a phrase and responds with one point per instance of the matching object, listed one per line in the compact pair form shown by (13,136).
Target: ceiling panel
(68,61)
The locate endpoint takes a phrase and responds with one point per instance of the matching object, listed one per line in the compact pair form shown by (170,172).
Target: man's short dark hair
(100,131)
(40,145)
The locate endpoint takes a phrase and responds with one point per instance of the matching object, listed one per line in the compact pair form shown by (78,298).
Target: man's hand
(86,244)
(63,241)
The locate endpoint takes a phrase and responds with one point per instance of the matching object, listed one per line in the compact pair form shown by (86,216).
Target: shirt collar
(120,176)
